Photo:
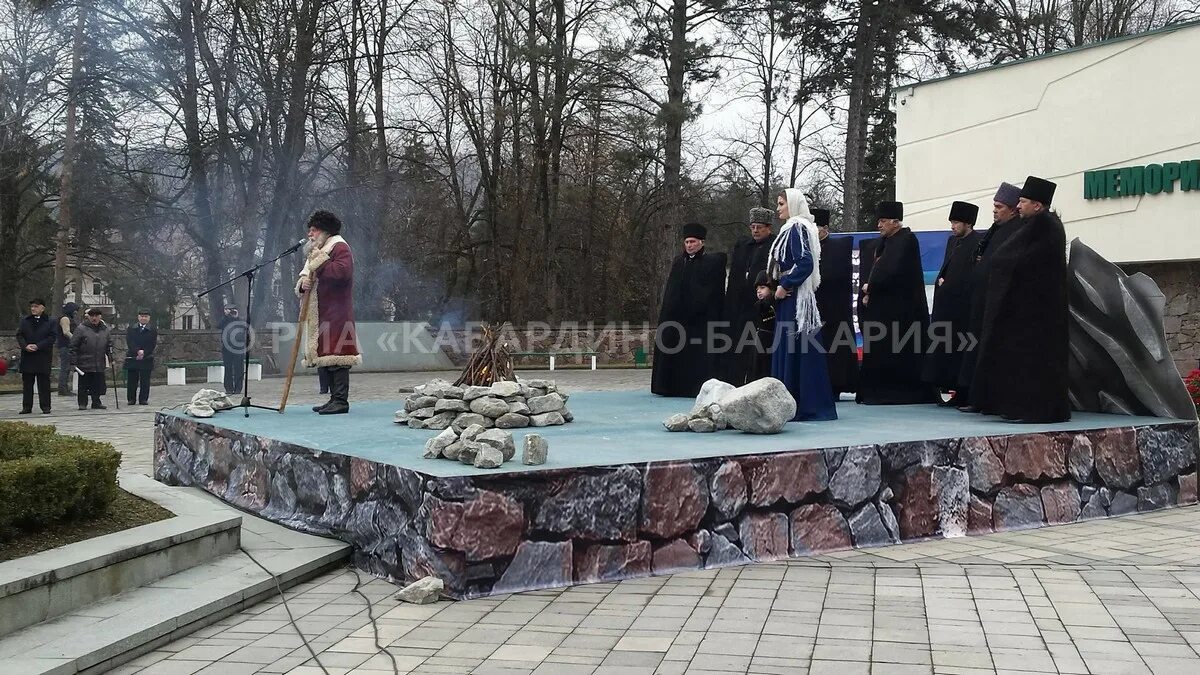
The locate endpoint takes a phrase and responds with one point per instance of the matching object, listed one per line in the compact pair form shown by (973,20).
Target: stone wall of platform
(509,532)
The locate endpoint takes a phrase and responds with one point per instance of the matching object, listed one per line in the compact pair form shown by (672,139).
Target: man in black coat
(91,347)
(140,342)
(36,337)
(1022,370)
(748,359)
(691,304)
(1005,221)
(234,337)
(950,319)
(896,317)
(835,299)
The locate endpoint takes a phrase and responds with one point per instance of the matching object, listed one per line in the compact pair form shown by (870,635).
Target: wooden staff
(287,383)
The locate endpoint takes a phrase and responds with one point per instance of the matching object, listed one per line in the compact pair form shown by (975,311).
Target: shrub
(46,477)
(1193,386)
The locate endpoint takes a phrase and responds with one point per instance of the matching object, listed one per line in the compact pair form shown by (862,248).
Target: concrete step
(105,634)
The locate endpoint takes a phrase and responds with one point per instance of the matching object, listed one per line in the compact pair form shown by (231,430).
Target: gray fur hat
(762,216)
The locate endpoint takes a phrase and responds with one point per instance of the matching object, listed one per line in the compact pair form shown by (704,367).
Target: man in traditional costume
(691,307)
(895,316)
(951,314)
(328,278)
(748,359)
(1022,370)
(835,300)
(1005,221)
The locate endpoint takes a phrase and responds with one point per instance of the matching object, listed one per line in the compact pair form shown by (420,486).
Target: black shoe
(130,403)
(1011,418)
(335,408)
(99,406)
(45,411)
(143,403)
(319,408)
(968,409)
(25,412)
(83,407)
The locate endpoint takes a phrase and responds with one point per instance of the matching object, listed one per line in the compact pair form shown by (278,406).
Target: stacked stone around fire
(439,405)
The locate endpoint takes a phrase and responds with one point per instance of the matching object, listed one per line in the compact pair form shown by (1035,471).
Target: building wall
(1125,103)
(1180,283)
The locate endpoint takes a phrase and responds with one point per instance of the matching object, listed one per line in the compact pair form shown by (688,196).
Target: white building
(1115,124)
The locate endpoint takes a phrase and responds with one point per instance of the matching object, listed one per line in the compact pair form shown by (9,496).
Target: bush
(1193,386)
(46,477)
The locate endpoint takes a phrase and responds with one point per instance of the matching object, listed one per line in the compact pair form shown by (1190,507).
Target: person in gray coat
(91,347)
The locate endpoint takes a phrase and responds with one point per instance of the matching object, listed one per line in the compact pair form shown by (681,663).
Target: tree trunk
(858,113)
(674,114)
(66,181)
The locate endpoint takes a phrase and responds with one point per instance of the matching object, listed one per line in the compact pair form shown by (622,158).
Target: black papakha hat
(95,311)
(892,210)
(821,217)
(964,212)
(38,301)
(1038,190)
(325,221)
(143,312)
(694,230)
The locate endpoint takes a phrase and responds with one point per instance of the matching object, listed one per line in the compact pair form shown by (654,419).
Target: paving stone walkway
(1112,596)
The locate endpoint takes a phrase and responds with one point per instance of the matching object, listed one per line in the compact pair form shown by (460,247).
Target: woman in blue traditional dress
(799,360)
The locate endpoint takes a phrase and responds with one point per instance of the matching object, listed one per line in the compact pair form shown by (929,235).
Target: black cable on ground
(374,622)
(291,618)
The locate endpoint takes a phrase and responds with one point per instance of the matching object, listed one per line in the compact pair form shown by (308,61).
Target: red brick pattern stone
(603,562)
(728,490)
(916,504)
(362,476)
(674,557)
(1116,457)
(1187,488)
(1036,456)
(819,528)
(674,500)
(1060,503)
(979,516)
(790,478)
(485,527)
(983,459)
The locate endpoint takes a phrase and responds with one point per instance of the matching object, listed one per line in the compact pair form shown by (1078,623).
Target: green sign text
(1131,181)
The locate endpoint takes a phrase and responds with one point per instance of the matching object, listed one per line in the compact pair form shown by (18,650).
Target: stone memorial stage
(621,497)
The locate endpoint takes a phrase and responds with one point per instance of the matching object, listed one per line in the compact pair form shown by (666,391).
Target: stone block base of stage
(500,533)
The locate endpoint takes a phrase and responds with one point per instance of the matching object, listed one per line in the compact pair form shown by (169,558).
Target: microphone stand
(245,404)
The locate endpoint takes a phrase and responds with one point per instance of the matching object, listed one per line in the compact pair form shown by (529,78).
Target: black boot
(339,392)
(319,408)
(97,404)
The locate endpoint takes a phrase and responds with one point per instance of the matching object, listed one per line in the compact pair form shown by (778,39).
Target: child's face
(763,292)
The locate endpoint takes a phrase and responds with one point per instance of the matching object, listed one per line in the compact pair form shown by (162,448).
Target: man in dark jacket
(91,347)
(66,328)
(234,334)
(748,359)
(691,303)
(35,336)
(1022,369)
(835,300)
(895,316)
(1005,221)
(140,342)
(951,314)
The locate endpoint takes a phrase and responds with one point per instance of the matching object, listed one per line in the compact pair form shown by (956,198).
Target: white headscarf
(800,222)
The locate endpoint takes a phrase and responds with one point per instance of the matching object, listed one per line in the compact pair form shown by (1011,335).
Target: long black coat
(951,313)
(1022,368)
(985,252)
(835,298)
(36,330)
(748,258)
(691,301)
(146,340)
(89,347)
(895,309)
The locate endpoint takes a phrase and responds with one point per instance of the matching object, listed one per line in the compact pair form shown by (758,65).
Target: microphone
(296,247)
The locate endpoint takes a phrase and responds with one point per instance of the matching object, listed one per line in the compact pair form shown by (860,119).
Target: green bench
(177,371)
(554,356)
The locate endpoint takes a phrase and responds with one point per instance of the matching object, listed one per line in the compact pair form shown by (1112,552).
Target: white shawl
(808,317)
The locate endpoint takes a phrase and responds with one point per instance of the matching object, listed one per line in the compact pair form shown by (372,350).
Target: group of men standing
(996,339)
(85,348)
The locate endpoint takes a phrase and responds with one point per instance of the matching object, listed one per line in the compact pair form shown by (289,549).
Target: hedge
(46,477)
